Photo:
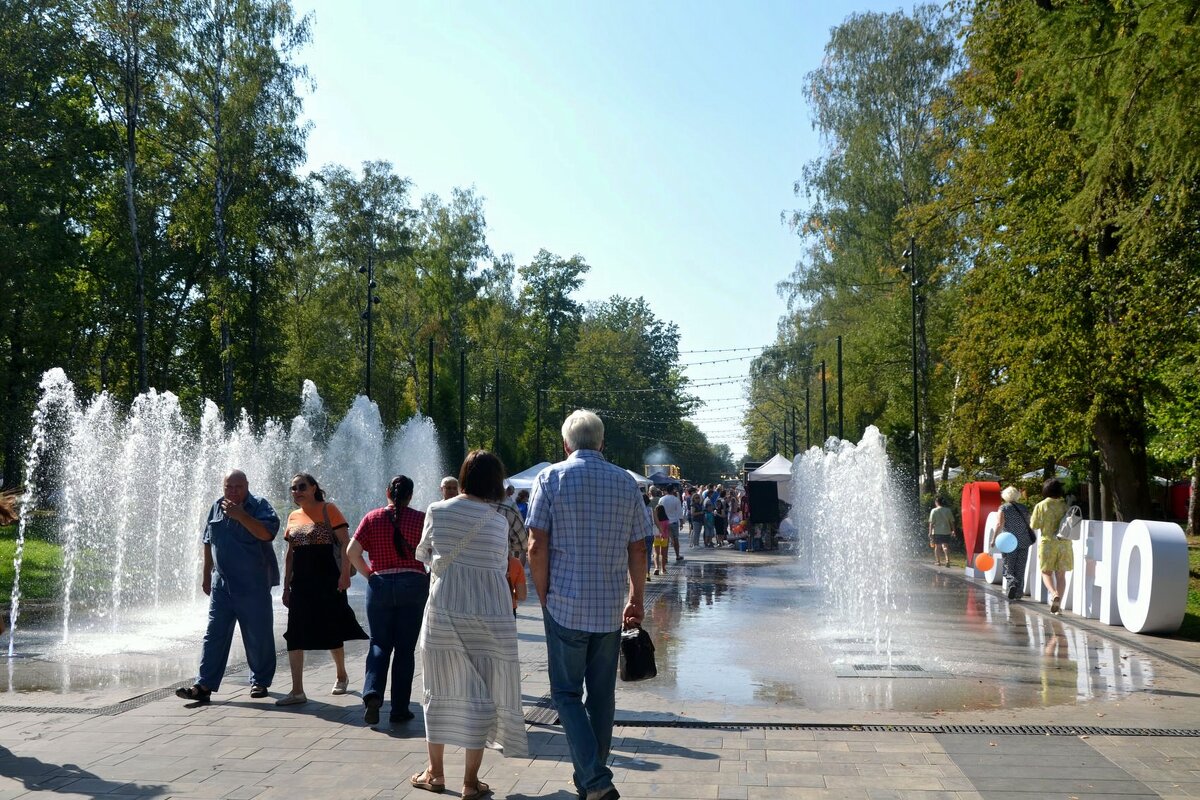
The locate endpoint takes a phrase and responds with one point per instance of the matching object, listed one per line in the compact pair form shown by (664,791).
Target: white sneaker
(340,687)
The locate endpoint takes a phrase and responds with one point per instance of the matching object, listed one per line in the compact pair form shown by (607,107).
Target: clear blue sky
(658,140)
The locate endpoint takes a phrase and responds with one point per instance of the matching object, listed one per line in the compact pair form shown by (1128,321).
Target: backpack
(1071,526)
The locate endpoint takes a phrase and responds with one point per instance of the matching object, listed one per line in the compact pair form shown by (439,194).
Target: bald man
(239,570)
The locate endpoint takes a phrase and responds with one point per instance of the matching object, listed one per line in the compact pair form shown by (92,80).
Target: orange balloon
(984,561)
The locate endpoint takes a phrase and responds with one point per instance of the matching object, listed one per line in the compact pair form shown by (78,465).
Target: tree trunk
(254,354)
(1193,520)
(14,421)
(133,102)
(1121,441)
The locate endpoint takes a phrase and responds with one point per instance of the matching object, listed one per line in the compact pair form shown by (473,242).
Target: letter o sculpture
(1153,577)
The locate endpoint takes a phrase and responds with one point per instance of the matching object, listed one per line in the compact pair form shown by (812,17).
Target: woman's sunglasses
(299,487)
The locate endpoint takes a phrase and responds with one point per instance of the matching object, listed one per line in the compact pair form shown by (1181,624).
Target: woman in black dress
(314,587)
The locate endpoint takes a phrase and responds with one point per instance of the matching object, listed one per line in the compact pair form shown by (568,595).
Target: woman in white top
(468,641)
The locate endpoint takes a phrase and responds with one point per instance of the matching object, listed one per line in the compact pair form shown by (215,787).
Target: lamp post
(369,315)
(910,268)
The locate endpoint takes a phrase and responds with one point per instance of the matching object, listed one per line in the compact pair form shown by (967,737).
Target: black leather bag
(636,662)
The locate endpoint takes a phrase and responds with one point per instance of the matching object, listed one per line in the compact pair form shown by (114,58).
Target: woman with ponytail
(397,588)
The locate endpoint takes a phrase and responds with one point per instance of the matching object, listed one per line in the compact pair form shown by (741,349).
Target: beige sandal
(481,790)
(425,780)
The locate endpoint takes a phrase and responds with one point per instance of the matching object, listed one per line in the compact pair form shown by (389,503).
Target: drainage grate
(993,730)
(889,667)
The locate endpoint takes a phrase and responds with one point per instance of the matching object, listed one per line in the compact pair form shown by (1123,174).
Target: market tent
(777,470)
(641,479)
(524,478)
(661,478)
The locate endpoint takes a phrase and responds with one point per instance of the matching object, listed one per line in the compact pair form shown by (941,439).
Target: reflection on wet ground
(731,638)
(759,635)
(153,649)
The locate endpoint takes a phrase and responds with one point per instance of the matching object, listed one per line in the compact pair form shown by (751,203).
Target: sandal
(481,790)
(196,693)
(425,780)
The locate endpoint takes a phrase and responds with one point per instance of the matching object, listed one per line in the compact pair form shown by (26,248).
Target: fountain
(844,504)
(131,490)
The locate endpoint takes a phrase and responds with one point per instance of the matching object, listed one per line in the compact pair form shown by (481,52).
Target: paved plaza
(762,693)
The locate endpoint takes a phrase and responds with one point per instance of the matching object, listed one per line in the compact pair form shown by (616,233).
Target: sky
(658,140)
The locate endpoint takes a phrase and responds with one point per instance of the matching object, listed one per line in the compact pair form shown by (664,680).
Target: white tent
(777,470)
(1060,472)
(524,478)
(642,480)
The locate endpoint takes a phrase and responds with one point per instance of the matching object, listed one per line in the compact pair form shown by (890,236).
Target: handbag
(1071,526)
(636,661)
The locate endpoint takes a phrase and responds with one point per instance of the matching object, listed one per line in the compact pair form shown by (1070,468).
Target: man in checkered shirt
(587,529)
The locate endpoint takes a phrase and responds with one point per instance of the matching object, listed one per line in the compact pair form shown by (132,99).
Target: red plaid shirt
(375,535)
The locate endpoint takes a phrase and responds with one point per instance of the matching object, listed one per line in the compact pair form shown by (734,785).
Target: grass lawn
(40,568)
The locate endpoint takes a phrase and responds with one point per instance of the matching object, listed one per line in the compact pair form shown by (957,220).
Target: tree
(1079,214)
(51,159)
(881,102)
(132,38)
(234,80)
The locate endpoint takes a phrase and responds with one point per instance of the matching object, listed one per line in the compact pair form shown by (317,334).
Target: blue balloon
(1006,542)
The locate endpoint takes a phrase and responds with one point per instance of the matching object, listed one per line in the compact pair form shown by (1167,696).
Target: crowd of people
(716,516)
(444,584)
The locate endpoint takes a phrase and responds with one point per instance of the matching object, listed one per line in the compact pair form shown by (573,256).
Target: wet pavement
(763,692)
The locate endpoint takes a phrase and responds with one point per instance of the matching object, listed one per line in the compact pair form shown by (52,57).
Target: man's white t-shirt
(673,507)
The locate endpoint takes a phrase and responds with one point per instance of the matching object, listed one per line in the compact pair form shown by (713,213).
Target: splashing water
(131,490)
(844,504)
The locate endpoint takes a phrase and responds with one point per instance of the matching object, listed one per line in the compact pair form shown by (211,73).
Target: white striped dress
(468,643)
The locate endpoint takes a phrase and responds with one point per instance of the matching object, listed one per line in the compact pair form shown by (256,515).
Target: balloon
(1006,542)
(984,561)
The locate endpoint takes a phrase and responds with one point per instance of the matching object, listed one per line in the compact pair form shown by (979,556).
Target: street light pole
(910,267)
(369,316)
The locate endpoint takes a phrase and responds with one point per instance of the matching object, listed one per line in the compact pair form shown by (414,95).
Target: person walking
(674,508)
(397,588)
(696,509)
(314,586)
(1014,518)
(469,664)
(587,531)
(941,530)
(1055,556)
(239,570)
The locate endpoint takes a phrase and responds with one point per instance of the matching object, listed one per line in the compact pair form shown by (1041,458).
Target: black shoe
(399,719)
(610,793)
(1014,593)
(371,715)
(258,690)
(196,693)
(679,559)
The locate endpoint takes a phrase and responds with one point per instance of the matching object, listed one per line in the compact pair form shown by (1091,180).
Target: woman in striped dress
(468,641)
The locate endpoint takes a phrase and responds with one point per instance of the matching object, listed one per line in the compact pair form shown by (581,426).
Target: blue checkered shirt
(593,511)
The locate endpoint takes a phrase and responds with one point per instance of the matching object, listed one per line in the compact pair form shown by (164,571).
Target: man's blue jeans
(395,607)
(578,659)
(251,611)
